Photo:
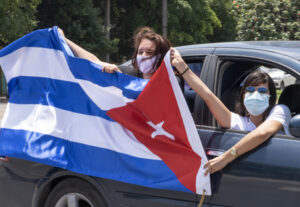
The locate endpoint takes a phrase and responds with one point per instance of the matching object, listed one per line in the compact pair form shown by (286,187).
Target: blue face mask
(256,103)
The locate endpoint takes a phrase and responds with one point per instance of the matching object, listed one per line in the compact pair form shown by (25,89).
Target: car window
(189,93)
(233,74)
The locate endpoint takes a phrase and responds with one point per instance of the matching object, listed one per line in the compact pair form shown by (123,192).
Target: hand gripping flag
(65,112)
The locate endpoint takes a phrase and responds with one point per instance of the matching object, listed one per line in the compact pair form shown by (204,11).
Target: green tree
(17,18)
(189,21)
(129,15)
(81,22)
(223,10)
(267,19)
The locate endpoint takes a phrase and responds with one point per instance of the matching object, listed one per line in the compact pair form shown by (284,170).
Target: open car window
(189,93)
(233,74)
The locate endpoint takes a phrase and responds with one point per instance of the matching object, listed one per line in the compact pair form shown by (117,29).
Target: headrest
(129,70)
(290,96)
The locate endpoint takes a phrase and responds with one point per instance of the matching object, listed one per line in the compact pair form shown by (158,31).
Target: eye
(262,90)
(250,89)
(150,53)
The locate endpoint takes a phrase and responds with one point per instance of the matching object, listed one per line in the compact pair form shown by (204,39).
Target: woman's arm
(249,142)
(215,105)
(82,53)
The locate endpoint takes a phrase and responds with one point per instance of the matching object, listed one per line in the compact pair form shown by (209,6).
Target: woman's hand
(177,61)
(110,68)
(216,164)
(61,32)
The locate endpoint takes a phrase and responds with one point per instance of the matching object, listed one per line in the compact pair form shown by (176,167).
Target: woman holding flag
(149,51)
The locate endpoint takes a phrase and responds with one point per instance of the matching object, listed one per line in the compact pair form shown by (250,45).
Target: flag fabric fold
(65,112)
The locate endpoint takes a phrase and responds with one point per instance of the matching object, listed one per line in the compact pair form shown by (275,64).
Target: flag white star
(159,130)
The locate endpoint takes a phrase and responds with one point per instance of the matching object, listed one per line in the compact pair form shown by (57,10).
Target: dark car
(267,176)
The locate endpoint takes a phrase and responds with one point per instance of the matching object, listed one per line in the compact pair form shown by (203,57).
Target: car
(281,78)
(266,176)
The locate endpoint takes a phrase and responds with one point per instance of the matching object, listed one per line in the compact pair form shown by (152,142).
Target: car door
(18,181)
(266,176)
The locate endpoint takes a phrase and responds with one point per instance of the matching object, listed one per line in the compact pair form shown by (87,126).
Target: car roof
(289,48)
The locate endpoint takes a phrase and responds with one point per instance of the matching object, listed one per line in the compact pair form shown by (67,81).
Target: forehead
(261,85)
(146,45)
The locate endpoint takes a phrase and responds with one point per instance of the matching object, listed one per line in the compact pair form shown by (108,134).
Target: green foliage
(223,10)
(129,15)
(81,22)
(189,22)
(268,19)
(17,18)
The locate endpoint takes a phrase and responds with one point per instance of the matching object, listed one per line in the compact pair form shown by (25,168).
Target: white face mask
(256,103)
(146,65)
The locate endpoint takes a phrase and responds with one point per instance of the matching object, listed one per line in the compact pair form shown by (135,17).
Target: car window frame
(216,87)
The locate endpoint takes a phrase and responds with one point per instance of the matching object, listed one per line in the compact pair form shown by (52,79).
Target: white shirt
(279,113)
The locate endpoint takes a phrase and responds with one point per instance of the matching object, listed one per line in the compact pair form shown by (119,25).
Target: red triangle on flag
(155,120)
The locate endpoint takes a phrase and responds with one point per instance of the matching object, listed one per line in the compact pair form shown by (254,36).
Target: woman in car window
(257,111)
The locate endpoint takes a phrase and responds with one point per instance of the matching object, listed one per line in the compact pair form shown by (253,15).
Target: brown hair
(254,79)
(162,45)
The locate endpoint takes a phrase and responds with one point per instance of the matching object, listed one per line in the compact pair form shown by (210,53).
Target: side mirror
(294,126)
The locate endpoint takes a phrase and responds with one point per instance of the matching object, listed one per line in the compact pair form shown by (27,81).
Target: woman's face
(262,85)
(256,99)
(146,48)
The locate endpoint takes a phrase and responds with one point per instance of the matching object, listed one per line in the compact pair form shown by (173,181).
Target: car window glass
(189,93)
(281,78)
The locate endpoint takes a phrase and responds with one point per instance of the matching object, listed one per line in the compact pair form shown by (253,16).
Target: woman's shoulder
(281,113)
(280,109)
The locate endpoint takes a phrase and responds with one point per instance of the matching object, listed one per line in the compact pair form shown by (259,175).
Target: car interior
(290,97)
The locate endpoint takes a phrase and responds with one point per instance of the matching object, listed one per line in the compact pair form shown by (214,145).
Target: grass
(278,92)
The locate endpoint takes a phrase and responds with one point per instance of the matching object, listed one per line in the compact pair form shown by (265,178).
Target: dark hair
(162,45)
(254,79)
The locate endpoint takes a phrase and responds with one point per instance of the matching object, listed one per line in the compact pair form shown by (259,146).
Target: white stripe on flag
(202,182)
(31,62)
(74,127)
(113,96)
(36,62)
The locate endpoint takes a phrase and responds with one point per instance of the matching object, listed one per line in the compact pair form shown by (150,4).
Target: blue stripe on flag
(40,38)
(61,94)
(52,151)
(86,70)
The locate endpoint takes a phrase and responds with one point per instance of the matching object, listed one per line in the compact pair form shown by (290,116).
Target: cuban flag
(65,112)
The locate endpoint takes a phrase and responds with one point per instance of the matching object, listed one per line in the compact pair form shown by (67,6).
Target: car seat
(290,97)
